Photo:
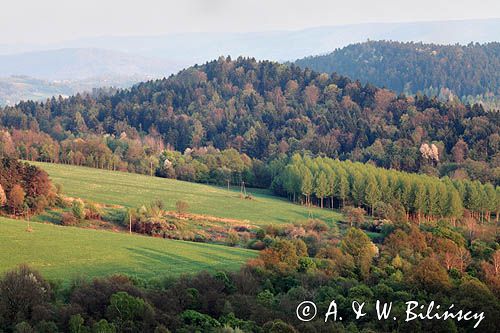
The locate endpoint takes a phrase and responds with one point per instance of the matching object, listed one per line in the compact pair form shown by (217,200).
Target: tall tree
(16,199)
(321,187)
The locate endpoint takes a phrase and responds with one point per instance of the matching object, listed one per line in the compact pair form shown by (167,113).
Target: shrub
(78,209)
(232,238)
(181,207)
(125,310)
(260,234)
(76,323)
(257,245)
(355,215)
(68,219)
(93,211)
(316,225)
(198,321)
(24,327)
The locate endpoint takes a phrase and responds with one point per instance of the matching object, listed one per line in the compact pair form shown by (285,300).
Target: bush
(93,211)
(232,238)
(316,225)
(68,219)
(181,207)
(355,215)
(196,321)
(257,245)
(78,209)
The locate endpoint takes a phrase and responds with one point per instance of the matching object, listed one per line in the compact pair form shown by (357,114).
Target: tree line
(422,197)
(146,155)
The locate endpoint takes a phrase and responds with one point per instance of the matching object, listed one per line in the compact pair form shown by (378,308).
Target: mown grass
(67,252)
(133,190)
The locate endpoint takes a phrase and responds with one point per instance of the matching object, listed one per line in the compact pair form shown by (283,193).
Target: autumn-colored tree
(491,271)
(430,275)
(3,197)
(355,215)
(282,256)
(16,199)
(459,151)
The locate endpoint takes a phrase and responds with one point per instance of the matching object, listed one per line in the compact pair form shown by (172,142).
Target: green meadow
(67,252)
(133,190)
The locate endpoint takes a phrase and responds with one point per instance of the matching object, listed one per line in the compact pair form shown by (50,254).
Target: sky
(52,21)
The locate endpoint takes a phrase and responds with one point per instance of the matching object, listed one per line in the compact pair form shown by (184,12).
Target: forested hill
(263,109)
(469,70)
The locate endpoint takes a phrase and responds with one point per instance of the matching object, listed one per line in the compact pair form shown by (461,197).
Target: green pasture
(66,252)
(133,190)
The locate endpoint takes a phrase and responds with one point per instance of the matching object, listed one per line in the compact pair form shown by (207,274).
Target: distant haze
(123,60)
(49,21)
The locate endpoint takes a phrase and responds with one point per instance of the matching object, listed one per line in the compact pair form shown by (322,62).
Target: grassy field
(133,190)
(65,252)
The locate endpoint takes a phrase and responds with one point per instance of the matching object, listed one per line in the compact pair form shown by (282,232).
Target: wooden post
(129,222)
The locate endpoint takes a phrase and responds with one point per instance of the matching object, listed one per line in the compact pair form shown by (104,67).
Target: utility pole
(129,213)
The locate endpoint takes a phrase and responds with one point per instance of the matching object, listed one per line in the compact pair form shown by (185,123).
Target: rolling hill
(133,190)
(39,75)
(120,60)
(82,63)
(472,69)
(262,109)
(67,252)
(280,45)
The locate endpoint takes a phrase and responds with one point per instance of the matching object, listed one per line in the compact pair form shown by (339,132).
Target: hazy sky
(42,21)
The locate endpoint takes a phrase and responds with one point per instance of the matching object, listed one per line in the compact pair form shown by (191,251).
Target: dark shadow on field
(89,272)
(150,258)
(50,216)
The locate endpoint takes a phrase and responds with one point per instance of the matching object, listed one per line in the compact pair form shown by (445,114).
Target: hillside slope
(133,190)
(410,67)
(262,109)
(66,252)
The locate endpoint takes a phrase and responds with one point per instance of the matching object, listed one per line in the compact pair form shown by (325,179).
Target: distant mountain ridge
(42,74)
(143,57)
(463,70)
(82,63)
(200,47)
(22,88)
